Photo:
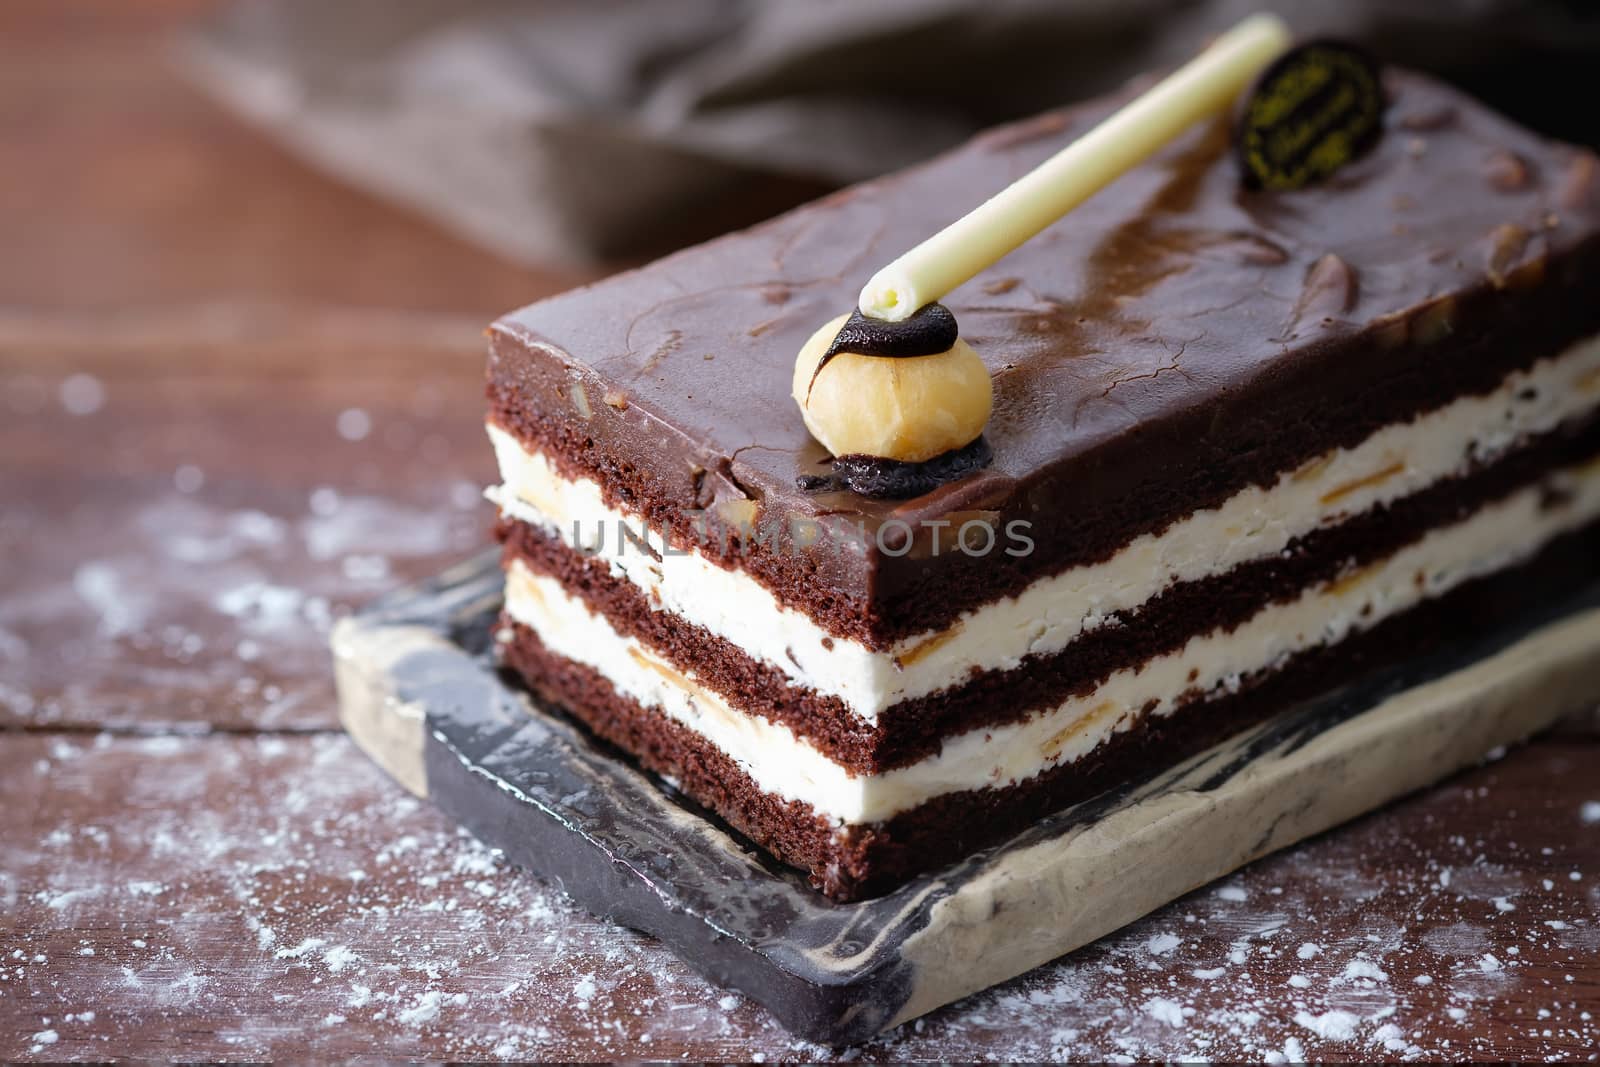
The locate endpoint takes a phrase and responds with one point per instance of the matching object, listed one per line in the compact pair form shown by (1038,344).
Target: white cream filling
(1394,462)
(1495,537)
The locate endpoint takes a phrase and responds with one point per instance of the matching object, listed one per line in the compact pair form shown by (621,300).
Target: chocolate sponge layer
(863,861)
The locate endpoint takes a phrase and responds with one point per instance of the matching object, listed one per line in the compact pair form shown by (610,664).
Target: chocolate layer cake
(1246,444)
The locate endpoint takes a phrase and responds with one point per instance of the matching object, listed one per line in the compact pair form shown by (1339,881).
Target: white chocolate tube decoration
(1204,86)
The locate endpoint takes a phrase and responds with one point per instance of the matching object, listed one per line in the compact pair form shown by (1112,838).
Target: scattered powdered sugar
(310,889)
(188,478)
(426,1008)
(324,501)
(189,532)
(263,606)
(1335,1025)
(195,612)
(309,945)
(1590,812)
(120,610)
(354,424)
(1162,944)
(82,394)
(338,958)
(1362,969)
(1167,1011)
(372,525)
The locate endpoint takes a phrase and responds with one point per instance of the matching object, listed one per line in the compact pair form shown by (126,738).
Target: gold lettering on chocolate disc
(1312,111)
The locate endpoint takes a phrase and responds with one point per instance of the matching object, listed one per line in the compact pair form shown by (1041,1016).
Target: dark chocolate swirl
(893,479)
(930,330)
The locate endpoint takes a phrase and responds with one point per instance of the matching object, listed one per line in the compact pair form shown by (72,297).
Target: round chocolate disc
(1314,109)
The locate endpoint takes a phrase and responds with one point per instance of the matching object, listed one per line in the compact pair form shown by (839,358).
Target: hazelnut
(904,408)
(1579,185)
(1391,331)
(738,514)
(1506,246)
(1507,171)
(580,400)
(1330,291)
(1435,322)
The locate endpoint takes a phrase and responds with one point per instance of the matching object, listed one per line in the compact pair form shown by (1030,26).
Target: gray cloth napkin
(576,130)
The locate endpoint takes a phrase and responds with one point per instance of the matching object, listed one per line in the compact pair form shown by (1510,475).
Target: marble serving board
(419,693)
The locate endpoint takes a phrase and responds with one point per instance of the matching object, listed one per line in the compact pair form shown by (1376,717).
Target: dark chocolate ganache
(892,479)
(929,330)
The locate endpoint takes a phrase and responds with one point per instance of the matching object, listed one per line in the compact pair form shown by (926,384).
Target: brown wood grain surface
(237,399)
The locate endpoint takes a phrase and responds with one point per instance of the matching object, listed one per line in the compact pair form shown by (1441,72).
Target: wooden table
(237,399)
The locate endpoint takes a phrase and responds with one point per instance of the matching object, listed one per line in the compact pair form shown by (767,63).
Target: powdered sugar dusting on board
(291,871)
(198,493)
(206,614)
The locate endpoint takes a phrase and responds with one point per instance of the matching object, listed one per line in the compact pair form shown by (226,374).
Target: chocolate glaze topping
(930,330)
(1175,340)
